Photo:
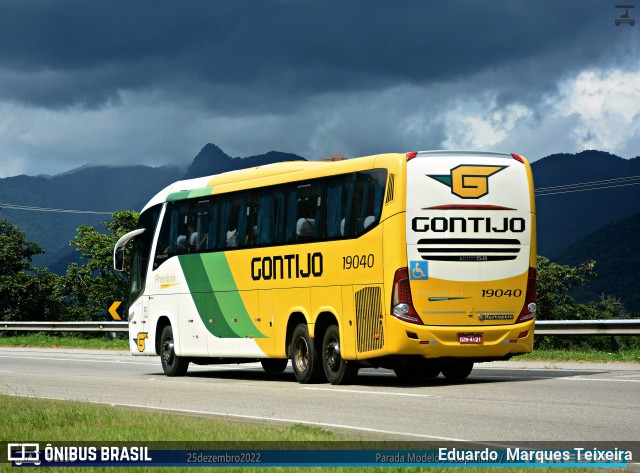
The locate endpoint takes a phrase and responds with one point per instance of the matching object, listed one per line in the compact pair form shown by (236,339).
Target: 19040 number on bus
(501,293)
(358,261)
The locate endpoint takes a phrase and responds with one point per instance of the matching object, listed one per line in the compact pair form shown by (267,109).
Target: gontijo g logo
(469,181)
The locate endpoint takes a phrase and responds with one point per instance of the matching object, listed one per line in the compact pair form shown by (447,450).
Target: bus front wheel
(336,369)
(172,364)
(457,370)
(305,359)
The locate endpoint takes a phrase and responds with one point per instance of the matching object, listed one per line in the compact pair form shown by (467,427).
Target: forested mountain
(93,188)
(566,217)
(614,247)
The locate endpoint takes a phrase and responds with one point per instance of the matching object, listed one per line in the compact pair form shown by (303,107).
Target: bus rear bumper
(480,341)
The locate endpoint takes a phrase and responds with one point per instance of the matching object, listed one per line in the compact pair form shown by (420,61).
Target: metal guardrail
(588,327)
(543,327)
(114,326)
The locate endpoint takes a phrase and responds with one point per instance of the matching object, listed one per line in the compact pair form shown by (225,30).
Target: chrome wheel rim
(301,354)
(167,351)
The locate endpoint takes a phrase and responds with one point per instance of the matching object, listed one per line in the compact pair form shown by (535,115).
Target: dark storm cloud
(256,55)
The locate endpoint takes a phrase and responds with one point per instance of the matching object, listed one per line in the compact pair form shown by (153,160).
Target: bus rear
(468,291)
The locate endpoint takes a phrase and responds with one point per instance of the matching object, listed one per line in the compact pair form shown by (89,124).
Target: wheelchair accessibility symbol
(419,270)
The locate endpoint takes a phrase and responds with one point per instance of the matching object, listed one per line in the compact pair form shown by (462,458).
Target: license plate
(470,338)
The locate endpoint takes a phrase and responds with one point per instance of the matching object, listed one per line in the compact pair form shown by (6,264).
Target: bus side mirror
(118,259)
(118,250)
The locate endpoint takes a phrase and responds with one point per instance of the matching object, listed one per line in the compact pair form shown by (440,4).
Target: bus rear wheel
(172,364)
(457,370)
(336,369)
(274,365)
(305,359)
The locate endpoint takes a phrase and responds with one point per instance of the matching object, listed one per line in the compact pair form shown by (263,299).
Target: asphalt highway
(528,401)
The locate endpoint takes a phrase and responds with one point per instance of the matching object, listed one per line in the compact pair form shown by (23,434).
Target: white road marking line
(563,378)
(575,378)
(78,360)
(380,393)
(250,417)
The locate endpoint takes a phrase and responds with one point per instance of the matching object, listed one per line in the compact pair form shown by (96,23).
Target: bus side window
(179,229)
(339,205)
(198,228)
(234,217)
(303,212)
(370,187)
(268,205)
(163,248)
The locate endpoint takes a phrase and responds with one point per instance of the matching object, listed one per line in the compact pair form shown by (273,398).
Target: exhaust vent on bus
(369,329)
(468,249)
(390,188)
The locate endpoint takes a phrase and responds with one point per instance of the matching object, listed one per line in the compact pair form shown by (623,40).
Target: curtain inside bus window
(292,214)
(334,208)
(227,236)
(347,228)
(173,233)
(339,192)
(212,241)
(200,234)
(279,202)
(362,200)
(265,219)
(241,206)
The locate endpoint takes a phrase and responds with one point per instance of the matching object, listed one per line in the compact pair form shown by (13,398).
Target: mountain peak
(212,160)
(210,155)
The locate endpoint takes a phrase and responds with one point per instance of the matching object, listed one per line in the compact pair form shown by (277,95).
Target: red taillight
(411,155)
(517,157)
(401,302)
(529,310)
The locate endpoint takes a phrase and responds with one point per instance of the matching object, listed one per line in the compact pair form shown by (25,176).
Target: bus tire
(274,365)
(457,370)
(172,364)
(305,359)
(336,369)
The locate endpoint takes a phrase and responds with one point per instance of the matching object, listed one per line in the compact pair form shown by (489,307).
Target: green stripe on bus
(181,195)
(222,312)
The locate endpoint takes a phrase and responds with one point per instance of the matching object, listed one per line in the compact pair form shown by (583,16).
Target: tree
(16,252)
(26,293)
(93,287)
(555,282)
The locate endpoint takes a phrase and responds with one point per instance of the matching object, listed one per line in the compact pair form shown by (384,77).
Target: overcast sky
(151,82)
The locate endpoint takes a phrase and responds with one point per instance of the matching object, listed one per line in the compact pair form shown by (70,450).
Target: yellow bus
(421,262)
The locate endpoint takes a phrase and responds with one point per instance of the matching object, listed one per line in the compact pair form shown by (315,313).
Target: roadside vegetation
(63,340)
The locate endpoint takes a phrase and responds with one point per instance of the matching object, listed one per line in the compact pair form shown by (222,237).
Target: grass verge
(37,420)
(587,355)
(64,340)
